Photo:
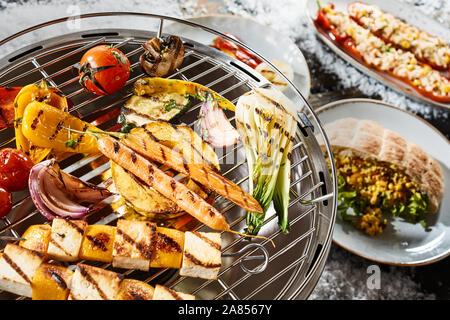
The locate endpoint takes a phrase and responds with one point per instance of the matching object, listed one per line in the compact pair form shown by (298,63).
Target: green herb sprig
(126,126)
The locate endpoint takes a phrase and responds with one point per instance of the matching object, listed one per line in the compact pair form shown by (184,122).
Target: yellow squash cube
(168,252)
(51,282)
(97,243)
(37,238)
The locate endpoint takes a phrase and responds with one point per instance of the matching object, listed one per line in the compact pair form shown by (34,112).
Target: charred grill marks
(99,240)
(224,183)
(151,135)
(194,260)
(88,278)
(136,295)
(207,240)
(116,147)
(175,295)
(80,138)
(145,250)
(58,128)
(173,184)
(185,165)
(151,172)
(36,120)
(58,279)
(191,196)
(56,244)
(16,268)
(163,154)
(75,226)
(133,156)
(166,243)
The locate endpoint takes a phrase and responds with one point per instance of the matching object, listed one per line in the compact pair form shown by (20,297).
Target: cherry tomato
(15,168)
(104,70)
(5,202)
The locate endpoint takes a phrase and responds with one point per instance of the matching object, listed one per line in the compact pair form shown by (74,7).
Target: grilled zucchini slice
(161,99)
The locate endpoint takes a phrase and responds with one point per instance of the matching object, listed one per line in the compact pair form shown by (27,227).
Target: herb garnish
(70,143)
(126,126)
(121,59)
(171,105)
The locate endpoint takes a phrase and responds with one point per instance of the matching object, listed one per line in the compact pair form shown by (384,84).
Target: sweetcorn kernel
(425,70)
(350,31)
(446,88)
(416,82)
(405,44)
(447,59)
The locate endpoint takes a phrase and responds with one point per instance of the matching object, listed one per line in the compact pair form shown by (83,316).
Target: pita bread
(368,139)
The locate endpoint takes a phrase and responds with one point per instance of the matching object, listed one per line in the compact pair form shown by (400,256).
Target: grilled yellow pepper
(35,92)
(48,127)
(149,86)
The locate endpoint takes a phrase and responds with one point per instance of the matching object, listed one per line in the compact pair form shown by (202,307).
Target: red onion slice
(215,128)
(58,194)
(33,185)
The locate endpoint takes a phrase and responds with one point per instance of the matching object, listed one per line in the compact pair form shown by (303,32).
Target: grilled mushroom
(162,55)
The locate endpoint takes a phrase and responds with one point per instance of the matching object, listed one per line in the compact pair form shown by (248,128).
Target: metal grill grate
(295,263)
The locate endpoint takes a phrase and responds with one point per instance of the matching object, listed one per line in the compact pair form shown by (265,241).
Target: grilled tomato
(104,70)
(5,202)
(15,168)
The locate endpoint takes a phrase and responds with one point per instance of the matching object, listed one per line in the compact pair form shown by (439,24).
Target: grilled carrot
(167,186)
(142,141)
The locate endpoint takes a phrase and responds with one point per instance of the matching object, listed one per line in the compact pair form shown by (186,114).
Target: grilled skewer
(158,152)
(139,245)
(24,272)
(201,258)
(167,186)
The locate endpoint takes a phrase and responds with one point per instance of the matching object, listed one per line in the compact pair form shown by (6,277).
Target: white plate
(398,9)
(264,40)
(402,243)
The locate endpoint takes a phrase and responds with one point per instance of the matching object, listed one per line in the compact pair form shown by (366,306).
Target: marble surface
(345,275)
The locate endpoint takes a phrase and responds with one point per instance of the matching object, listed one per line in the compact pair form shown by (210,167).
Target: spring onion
(266,121)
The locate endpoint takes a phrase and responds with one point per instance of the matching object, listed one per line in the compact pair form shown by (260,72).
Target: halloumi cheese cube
(134,244)
(131,289)
(65,239)
(168,252)
(202,256)
(51,282)
(164,293)
(37,238)
(92,283)
(17,268)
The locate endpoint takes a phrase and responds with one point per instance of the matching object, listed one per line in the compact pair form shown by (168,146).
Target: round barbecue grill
(52,50)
